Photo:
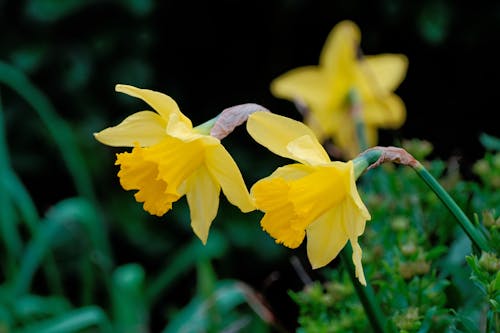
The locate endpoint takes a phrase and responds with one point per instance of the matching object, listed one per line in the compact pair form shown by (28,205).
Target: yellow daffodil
(327,90)
(316,197)
(170,158)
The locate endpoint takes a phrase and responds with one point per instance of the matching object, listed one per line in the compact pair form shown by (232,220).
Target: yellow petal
(279,224)
(161,103)
(138,174)
(223,168)
(180,130)
(317,192)
(340,50)
(308,150)
(362,211)
(202,193)
(389,112)
(386,70)
(354,218)
(271,196)
(356,259)
(145,128)
(354,223)
(276,132)
(326,237)
(308,84)
(176,160)
(270,193)
(292,171)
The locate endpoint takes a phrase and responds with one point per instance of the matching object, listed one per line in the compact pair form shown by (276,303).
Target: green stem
(206,126)
(474,235)
(377,155)
(356,111)
(365,293)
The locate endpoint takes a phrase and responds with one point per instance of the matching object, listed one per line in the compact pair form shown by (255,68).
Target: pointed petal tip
(316,265)
(202,238)
(120,87)
(127,89)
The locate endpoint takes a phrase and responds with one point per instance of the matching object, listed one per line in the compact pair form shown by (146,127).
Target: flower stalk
(366,295)
(375,156)
(356,112)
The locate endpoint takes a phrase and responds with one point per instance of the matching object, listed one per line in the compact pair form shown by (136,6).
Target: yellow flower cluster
(315,197)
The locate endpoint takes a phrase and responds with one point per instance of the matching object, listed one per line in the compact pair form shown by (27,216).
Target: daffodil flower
(315,197)
(170,159)
(326,90)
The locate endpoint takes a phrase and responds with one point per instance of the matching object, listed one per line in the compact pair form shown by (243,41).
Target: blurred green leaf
(434,21)
(227,296)
(29,307)
(185,259)
(59,129)
(49,11)
(29,58)
(490,142)
(130,313)
(73,321)
(69,210)
(138,7)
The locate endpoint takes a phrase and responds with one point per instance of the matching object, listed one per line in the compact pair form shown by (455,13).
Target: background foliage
(79,252)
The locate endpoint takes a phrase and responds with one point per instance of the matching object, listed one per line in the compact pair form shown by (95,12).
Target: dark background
(209,55)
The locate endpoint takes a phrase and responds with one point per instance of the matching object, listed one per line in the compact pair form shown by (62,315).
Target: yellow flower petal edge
(171,159)
(341,46)
(145,128)
(388,70)
(202,193)
(286,137)
(161,103)
(223,168)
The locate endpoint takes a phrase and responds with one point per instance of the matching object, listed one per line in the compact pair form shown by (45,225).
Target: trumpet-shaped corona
(316,198)
(171,159)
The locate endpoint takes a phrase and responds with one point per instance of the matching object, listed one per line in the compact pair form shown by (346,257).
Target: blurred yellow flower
(170,159)
(327,90)
(316,197)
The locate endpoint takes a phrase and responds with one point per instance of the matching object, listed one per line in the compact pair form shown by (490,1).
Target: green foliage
(416,256)
(80,255)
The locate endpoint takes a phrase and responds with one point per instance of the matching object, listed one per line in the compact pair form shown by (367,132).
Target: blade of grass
(12,187)
(27,307)
(58,128)
(184,260)
(73,209)
(84,211)
(73,321)
(130,313)
(8,224)
(227,296)
(33,256)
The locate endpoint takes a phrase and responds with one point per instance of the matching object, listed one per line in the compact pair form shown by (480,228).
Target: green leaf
(129,307)
(184,260)
(490,142)
(73,321)
(53,10)
(227,296)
